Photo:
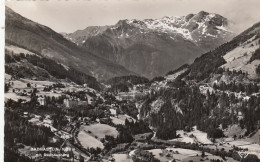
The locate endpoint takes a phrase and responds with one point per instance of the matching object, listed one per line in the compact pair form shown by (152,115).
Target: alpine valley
(170,89)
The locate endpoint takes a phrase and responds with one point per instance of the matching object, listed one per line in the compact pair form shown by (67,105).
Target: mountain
(240,54)
(78,37)
(152,47)
(219,90)
(26,34)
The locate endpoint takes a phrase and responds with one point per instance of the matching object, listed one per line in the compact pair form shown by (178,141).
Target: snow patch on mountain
(223,28)
(165,24)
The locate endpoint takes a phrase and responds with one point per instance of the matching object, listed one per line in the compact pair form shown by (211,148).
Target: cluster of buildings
(72,102)
(135,92)
(68,101)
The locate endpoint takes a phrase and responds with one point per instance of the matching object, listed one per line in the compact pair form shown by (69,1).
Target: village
(71,97)
(83,119)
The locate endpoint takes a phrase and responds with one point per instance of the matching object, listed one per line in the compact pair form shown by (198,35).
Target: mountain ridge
(36,37)
(152,47)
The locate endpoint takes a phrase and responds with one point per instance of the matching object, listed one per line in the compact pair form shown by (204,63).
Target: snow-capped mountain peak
(191,27)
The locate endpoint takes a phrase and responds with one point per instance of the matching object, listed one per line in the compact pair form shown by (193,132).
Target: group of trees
(181,107)
(178,69)
(59,121)
(132,79)
(120,87)
(126,133)
(144,156)
(131,128)
(7,86)
(166,133)
(251,114)
(247,88)
(129,109)
(19,130)
(11,155)
(82,95)
(157,79)
(186,106)
(123,83)
(258,70)
(176,83)
(222,71)
(214,132)
(255,56)
(109,98)
(54,86)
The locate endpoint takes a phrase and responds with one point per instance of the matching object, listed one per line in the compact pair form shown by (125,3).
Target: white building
(41,100)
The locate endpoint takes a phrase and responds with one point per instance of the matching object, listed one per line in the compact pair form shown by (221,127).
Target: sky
(71,15)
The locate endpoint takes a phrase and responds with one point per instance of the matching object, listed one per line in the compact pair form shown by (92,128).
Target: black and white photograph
(131,81)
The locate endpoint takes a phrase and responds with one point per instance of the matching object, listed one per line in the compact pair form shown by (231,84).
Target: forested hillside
(31,66)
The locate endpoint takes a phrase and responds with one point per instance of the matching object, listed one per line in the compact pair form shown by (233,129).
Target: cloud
(72,15)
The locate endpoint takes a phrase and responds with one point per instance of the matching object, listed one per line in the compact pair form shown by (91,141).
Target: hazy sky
(71,15)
